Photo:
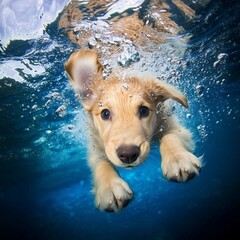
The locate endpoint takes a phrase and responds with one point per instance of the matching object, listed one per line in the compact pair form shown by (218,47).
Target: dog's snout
(128,154)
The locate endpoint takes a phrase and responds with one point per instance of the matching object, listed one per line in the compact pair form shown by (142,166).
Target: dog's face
(123,111)
(125,119)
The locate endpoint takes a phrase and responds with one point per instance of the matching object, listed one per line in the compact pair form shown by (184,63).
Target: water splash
(20,70)
(20,22)
(121,6)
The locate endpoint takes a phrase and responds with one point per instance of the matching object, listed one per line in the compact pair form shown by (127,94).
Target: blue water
(45,182)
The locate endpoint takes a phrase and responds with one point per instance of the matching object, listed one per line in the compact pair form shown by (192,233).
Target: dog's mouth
(127,166)
(130,166)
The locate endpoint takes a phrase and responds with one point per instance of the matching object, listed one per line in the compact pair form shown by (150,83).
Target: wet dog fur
(124,117)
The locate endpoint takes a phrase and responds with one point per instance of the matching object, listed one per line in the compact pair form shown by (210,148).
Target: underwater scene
(45,182)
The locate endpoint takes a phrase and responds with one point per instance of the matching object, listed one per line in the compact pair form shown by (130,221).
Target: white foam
(20,70)
(121,6)
(26,19)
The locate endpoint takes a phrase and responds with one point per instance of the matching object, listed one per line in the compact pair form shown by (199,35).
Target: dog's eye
(105,114)
(143,111)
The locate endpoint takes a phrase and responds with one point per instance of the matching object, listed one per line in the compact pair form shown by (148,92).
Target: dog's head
(123,111)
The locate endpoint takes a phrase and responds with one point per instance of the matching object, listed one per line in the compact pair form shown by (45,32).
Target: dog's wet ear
(84,69)
(166,91)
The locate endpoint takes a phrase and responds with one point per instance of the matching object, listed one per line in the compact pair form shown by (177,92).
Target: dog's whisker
(154,134)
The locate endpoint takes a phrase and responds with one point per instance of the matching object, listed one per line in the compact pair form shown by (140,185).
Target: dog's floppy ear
(165,91)
(84,69)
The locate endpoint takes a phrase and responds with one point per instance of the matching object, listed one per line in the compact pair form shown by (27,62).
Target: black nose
(128,154)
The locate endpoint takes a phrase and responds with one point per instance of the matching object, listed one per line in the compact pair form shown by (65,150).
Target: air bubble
(70,127)
(100,104)
(199,90)
(125,86)
(56,95)
(61,111)
(48,103)
(220,57)
(34,107)
(202,131)
(128,56)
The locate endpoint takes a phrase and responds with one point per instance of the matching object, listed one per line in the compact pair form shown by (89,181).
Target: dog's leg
(176,146)
(112,193)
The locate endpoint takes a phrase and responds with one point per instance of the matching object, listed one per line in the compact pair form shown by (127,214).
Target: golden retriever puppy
(124,117)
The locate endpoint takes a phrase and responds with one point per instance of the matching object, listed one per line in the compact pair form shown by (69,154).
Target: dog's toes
(123,194)
(181,167)
(113,197)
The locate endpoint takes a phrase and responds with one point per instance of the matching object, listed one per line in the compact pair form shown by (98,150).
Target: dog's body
(125,115)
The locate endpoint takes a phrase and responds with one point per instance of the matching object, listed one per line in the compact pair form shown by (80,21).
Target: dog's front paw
(181,166)
(113,196)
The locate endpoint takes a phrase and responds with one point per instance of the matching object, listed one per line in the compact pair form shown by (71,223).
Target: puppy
(124,117)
